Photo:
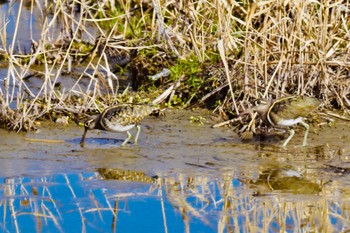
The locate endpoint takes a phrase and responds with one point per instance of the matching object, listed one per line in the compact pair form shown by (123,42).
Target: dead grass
(250,50)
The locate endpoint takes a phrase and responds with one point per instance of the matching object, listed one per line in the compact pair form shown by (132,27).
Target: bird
(119,118)
(287,111)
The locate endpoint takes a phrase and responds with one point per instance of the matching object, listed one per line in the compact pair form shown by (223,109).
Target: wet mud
(209,173)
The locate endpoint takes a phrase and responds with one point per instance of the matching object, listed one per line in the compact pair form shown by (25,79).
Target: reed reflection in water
(111,200)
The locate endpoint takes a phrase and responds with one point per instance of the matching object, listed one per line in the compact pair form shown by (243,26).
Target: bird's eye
(257,102)
(86,124)
(260,102)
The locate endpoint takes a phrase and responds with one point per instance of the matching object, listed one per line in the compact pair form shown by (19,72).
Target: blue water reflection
(29,27)
(116,200)
(84,202)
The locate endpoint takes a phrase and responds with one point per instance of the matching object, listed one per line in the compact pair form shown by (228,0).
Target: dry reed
(268,48)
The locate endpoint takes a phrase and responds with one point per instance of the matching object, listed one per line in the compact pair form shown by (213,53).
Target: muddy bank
(168,143)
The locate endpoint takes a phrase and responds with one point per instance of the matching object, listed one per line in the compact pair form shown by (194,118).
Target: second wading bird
(286,112)
(119,118)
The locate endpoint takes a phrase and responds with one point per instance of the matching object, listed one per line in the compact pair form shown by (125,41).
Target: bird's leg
(306,132)
(292,132)
(137,134)
(83,137)
(127,139)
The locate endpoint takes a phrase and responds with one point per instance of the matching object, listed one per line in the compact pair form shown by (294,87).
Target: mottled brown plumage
(119,118)
(287,111)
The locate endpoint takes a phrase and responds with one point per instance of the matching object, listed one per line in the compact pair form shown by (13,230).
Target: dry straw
(268,49)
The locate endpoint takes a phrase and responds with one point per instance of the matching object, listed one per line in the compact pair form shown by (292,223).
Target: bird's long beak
(83,137)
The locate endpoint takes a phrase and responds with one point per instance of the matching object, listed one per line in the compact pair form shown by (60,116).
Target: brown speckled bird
(119,118)
(287,111)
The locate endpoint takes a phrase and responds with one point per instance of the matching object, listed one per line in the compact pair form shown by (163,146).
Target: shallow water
(182,177)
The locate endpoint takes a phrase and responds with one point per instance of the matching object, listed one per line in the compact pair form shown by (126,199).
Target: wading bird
(119,118)
(287,111)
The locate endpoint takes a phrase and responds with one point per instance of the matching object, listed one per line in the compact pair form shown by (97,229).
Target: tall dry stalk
(268,48)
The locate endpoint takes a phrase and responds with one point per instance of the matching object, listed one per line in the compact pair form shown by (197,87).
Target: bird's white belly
(290,122)
(115,127)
